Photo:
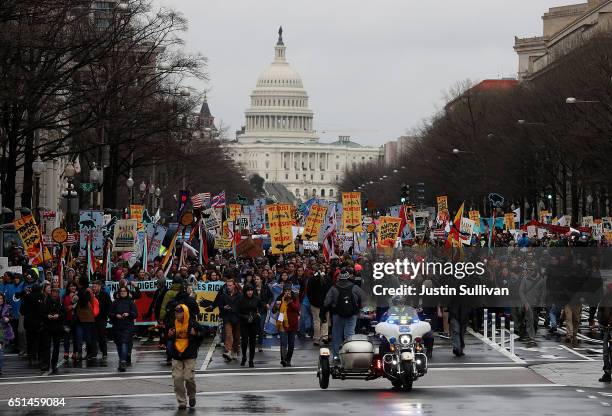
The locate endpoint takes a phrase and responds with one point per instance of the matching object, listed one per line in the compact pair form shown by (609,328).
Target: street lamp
(37,168)
(573,100)
(95,179)
(143,191)
(130,184)
(157,197)
(457,151)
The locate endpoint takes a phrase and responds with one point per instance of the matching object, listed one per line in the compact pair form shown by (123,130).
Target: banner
(346,241)
(211,222)
(91,223)
(314,221)
(443,217)
(204,291)
(351,207)
(280,219)
(259,220)
(30,236)
(234,211)
(475,216)
(587,221)
(155,236)
(509,221)
(222,243)
(125,235)
(466,230)
(388,230)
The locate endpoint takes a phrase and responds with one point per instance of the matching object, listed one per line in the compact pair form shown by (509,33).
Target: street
(483,381)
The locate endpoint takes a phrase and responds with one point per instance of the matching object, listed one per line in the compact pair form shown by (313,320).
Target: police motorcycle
(399,357)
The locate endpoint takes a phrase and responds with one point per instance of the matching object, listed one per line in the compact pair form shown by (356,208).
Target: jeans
(287,345)
(457,334)
(553,316)
(100,337)
(70,336)
(607,351)
(305,319)
(342,328)
(84,333)
(122,351)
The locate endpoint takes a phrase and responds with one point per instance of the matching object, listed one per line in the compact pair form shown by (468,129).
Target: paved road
(485,380)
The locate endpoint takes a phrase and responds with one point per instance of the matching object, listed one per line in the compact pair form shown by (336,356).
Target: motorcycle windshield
(402,315)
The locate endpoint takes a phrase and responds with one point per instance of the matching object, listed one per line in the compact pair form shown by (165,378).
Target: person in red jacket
(287,310)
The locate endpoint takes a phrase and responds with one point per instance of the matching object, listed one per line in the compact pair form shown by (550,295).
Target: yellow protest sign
(314,221)
(223,243)
(509,221)
(351,212)
(281,236)
(136,213)
(234,211)
(388,230)
(30,235)
(442,203)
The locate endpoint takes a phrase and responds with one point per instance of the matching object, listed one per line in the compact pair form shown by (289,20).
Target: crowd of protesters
(291,296)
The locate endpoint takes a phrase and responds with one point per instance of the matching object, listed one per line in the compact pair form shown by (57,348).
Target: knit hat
(344,276)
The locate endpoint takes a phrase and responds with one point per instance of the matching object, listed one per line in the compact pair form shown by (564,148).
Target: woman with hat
(287,309)
(249,306)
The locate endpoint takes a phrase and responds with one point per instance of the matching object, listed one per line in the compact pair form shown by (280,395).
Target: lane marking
(592,397)
(576,352)
(276,391)
(496,347)
(209,354)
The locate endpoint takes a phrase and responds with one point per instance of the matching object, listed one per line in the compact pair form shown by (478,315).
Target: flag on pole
(453,239)
(203,257)
(91,258)
(329,237)
(107,260)
(167,261)
(145,251)
(218,201)
(60,265)
(199,200)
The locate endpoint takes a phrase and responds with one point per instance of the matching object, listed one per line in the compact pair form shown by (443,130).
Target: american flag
(218,201)
(199,200)
(329,236)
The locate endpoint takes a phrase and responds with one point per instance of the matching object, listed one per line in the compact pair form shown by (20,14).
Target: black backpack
(346,306)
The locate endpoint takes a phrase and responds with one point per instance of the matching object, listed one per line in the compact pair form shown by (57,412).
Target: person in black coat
(249,307)
(31,309)
(53,317)
(122,315)
(101,320)
(263,292)
(318,286)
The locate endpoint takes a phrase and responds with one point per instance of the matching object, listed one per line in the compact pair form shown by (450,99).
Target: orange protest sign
(136,213)
(279,216)
(388,230)
(234,211)
(30,235)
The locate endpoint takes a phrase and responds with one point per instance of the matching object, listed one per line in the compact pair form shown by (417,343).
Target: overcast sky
(373,69)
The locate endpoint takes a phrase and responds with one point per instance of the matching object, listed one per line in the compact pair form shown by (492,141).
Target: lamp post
(130,184)
(143,191)
(69,193)
(37,168)
(94,178)
(157,197)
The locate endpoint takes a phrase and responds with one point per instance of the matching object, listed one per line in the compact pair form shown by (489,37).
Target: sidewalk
(579,374)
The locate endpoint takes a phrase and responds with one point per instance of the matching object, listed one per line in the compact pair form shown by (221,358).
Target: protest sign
(279,216)
(234,211)
(388,230)
(30,235)
(587,221)
(466,230)
(155,236)
(421,222)
(509,221)
(136,213)
(222,243)
(91,223)
(314,221)
(125,235)
(351,212)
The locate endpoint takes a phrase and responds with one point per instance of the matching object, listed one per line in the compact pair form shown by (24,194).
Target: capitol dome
(279,104)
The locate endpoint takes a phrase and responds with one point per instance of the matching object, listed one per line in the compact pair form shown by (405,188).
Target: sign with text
(351,215)
(234,211)
(388,230)
(279,216)
(314,221)
(126,234)
(30,235)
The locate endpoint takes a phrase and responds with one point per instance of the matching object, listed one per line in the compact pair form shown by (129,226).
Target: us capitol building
(279,143)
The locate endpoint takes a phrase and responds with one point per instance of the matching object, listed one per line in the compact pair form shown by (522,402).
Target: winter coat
(83,310)
(14,301)
(249,310)
(224,298)
(317,289)
(68,307)
(53,307)
(104,301)
(292,309)
(5,312)
(124,327)
(532,291)
(331,299)
(191,352)
(174,290)
(31,309)
(156,303)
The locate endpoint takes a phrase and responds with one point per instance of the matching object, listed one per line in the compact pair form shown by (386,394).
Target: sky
(374,70)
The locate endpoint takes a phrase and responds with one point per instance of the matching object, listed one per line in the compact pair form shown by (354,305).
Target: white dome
(279,75)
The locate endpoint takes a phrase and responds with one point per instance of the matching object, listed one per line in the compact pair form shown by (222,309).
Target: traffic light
(182,201)
(365,206)
(421,194)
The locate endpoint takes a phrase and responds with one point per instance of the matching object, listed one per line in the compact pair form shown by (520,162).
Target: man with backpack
(344,301)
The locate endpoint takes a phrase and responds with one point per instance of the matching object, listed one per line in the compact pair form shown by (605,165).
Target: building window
(314,192)
(337,166)
(336,178)
(266,176)
(267,165)
(337,156)
(312,177)
(322,192)
(286,176)
(268,155)
(322,177)
(297,176)
(331,192)
(362,157)
(297,192)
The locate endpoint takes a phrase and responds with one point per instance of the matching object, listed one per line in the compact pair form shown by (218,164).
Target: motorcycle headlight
(405,339)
